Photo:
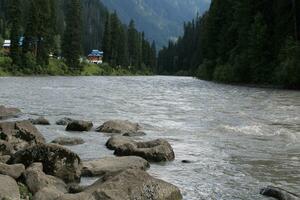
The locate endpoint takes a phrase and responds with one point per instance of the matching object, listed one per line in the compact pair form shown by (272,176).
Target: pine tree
(115,38)
(133,45)
(107,40)
(258,51)
(153,57)
(15,15)
(71,47)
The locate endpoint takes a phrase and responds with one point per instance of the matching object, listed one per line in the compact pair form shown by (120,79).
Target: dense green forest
(240,41)
(69,29)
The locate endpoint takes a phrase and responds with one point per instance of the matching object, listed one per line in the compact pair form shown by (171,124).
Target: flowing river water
(239,139)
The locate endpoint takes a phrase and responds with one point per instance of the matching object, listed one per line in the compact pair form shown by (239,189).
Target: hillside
(161,20)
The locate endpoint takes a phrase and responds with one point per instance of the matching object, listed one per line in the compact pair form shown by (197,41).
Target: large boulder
(133,184)
(40,121)
(118,126)
(112,165)
(154,151)
(36,179)
(13,171)
(48,193)
(6,113)
(68,141)
(20,134)
(4,159)
(8,188)
(64,121)
(278,193)
(79,125)
(57,161)
(6,148)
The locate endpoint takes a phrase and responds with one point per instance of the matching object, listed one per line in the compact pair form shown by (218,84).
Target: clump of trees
(68,29)
(125,46)
(245,41)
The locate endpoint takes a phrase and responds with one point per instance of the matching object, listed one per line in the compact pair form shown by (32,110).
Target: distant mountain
(161,20)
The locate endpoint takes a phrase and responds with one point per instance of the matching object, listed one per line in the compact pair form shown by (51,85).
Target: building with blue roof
(96,57)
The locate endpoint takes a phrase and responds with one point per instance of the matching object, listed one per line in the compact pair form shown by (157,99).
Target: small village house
(6,46)
(96,57)
(7,43)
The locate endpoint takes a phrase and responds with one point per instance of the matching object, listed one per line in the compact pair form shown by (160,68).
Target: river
(239,139)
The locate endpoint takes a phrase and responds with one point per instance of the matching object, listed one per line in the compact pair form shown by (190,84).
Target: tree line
(125,46)
(239,41)
(68,29)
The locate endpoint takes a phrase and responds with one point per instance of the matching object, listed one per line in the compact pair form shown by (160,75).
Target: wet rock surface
(36,179)
(119,126)
(40,121)
(112,165)
(6,113)
(19,135)
(79,125)
(278,193)
(154,151)
(57,160)
(133,184)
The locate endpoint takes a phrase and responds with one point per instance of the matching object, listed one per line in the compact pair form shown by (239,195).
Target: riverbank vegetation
(247,41)
(51,38)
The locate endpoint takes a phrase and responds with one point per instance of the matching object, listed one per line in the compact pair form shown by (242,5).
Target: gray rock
(6,113)
(69,141)
(20,135)
(64,121)
(6,148)
(154,151)
(79,196)
(8,188)
(75,188)
(118,126)
(57,161)
(40,121)
(278,193)
(36,179)
(13,171)
(112,165)
(48,193)
(116,141)
(79,125)
(134,134)
(133,184)
(4,159)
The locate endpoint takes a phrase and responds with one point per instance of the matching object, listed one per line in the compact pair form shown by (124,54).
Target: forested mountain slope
(161,20)
(245,41)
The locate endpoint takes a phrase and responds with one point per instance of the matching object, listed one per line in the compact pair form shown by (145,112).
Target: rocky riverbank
(30,168)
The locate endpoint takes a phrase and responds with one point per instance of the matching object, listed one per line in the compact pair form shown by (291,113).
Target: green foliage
(224,73)
(71,47)
(57,67)
(65,28)
(24,192)
(206,70)
(288,71)
(5,62)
